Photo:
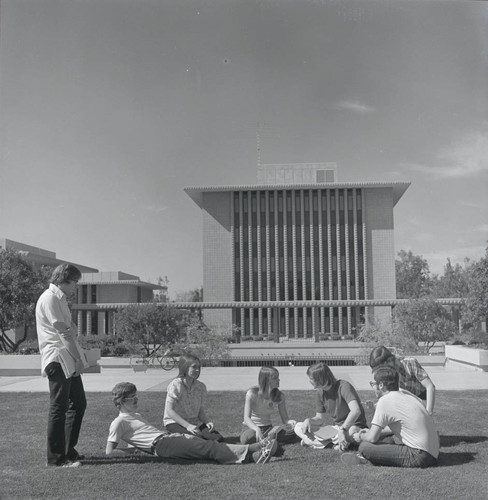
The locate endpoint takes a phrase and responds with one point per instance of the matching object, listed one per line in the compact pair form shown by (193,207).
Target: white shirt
(135,430)
(407,417)
(51,307)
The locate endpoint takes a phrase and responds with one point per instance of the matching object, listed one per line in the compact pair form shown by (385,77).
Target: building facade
(293,242)
(99,295)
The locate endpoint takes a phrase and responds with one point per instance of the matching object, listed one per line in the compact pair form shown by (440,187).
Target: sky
(109,108)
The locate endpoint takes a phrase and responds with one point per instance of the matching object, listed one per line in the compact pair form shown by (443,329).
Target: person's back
(407,417)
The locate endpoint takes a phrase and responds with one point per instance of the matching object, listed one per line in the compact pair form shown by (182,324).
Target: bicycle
(169,360)
(141,361)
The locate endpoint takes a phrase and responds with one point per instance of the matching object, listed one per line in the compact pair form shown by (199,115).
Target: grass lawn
(301,473)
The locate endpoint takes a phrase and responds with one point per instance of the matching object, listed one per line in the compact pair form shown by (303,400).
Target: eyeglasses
(373,384)
(132,397)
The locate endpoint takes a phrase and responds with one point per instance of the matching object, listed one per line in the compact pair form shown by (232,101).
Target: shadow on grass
(140,459)
(447,441)
(450,459)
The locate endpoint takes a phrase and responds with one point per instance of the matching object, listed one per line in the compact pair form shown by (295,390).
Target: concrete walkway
(240,379)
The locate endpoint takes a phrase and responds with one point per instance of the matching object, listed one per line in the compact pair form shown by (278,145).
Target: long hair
(379,356)
(186,360)
(264,377)
(321,374)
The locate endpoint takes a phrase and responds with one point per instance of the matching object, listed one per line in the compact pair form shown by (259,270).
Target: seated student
(185,398)
(261,402)
(413,377)
(131,428)
(410,422)
(342,401)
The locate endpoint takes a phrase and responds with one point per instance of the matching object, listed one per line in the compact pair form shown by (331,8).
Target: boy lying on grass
(131,428)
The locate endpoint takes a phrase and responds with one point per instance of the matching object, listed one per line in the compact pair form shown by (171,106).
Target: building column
(88,322)
(80,323)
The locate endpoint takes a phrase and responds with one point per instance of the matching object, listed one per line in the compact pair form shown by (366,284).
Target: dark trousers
(396,455)
(66,409)
(206,434)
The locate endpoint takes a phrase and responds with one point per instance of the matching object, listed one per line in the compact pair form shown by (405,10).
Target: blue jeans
(66,410)
(396,455)
(192,447)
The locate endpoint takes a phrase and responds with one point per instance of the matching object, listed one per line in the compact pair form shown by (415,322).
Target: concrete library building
(299,254)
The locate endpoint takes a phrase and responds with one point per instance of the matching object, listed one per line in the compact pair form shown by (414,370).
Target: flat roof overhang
(398,187)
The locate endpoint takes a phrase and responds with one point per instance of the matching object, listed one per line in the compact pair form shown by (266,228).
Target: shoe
(69,464)
(353,459)
(268,449)
(314,444)
(77,457)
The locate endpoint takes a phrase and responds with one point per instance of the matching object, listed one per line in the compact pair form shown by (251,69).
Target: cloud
(154,208)
(467,157)
(355,107)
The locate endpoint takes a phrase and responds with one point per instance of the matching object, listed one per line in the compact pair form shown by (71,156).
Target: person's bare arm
(430,390)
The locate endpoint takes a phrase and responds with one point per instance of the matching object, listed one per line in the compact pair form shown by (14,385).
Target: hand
(292,423)
(306,425)
(210,426)
(194,429)
(79,367)
(342,440)
(357,435)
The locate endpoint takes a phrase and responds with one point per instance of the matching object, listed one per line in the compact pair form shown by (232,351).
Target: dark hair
(389,376)
(265,374)
(121,391)
(380,356)
(186,360)
(64,274)
(321,374)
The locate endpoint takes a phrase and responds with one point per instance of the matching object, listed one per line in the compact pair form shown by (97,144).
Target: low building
(100,294)
(94,288)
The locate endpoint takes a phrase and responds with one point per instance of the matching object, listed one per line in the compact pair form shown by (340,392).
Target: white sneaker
(70,464)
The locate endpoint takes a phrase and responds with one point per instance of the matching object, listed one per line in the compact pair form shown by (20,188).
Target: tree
(454,281)
(412,276)
(477,293)
(204,342)
(426,321)
(149,325)
(162,295)
(194,295)
(20,287)
(388,333)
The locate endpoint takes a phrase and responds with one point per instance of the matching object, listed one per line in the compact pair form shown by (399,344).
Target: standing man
(59,351)
(413,377)
(416,441)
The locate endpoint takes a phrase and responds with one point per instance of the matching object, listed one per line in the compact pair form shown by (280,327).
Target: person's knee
(247,438)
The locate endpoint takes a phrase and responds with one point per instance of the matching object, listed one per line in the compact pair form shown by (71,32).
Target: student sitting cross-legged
(416,439)
(341,400)
(134,430)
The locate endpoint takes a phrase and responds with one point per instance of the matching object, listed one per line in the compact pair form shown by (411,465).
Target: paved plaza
(240,379)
